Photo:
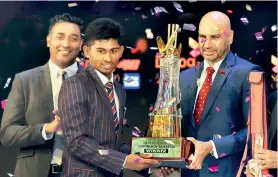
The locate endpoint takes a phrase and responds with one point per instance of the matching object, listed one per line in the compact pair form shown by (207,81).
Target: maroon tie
(110,92)
(202,97)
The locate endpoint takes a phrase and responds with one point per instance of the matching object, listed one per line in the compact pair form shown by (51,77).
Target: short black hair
(102,29)
(65,18)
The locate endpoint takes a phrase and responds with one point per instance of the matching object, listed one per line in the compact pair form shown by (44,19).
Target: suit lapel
(46,87)
(99,86)
(193,89)
(218,82)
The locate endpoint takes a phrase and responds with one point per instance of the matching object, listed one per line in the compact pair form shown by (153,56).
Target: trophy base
(171,152)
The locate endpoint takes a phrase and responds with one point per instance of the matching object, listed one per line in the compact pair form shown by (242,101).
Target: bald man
(215,101)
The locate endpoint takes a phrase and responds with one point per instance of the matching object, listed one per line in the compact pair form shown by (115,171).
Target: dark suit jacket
(225,114)
(29,107)
(87,124)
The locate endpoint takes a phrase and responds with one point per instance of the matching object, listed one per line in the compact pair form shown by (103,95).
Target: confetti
(135,51)
(264,29)
(103,152)
(195,52)
(7,83)
(151,108)
(216,136)
(248,7)
(178,7)
(222,155)
(213,168)
(72,4)
(217,108)
(159,9)
(151,10)
(233,133)
(275,37)
(189,27)
(273,28)
(153,48)
(137,8)
(128,47)
(137,129)
(3,104)
(135,133)
(144,16)
(247,99)
(10,175)
(259,36)
(230,11)
(244,20)
(222,71)
(274,60)
(192,43)
(231,125)
(149,33)
(169,142)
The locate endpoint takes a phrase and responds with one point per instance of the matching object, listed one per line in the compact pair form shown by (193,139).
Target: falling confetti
(264,29)
(151,10)
(189,27)
(3,104)
(231,125)
(7,83)
(244,20)
(149,33)
(178,7)
(169,142)
(192,43)
(216,136)
(103,152)
(151,108)
(159,9)
(230,11)
(273,28)
(248,7)
(137,129)
(259,36)
(144,16)
(153,48)
(222,155)
(72,4)
(195,52)
(137,8)
(10,175)
(247,99)
(213,168)
(217,109)
(135,133)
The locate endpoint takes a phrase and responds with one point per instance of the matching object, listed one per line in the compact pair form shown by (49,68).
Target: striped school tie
(110,92)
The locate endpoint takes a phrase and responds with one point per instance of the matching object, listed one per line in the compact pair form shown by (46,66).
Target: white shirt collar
(215,66)
(54,69)
(103,78)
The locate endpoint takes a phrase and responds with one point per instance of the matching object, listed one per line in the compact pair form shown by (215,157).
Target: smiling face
(64,42)
(104,55)
(215,37)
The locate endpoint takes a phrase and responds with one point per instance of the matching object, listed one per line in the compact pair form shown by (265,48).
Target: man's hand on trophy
(202,149)
(266,159)
(135,162)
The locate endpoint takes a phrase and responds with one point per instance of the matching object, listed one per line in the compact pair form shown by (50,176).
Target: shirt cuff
(213,152)
(124,163)
(46,136)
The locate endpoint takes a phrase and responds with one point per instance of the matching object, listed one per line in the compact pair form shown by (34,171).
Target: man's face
(104,55)
(64,42)
(214,42)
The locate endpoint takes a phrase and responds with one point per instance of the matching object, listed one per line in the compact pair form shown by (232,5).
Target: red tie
(110,92)
(202,97)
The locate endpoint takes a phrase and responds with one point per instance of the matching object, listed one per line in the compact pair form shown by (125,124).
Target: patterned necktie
(110,92)
(202,97)
(59,139)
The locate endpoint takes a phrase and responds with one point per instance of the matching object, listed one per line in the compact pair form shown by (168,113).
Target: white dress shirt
(54,76)
(200,83)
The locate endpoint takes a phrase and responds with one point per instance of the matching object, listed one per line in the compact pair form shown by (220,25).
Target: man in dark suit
(28,120)
(91,106)
(215,101)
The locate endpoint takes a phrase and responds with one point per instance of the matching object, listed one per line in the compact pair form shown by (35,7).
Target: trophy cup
(163,138)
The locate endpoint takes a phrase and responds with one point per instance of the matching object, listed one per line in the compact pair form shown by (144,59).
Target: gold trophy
(163,138)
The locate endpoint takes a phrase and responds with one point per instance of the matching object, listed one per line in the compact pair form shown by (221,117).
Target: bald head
(215,36)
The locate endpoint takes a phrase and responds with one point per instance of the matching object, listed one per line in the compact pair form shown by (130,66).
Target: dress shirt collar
(54,69)
(103,78)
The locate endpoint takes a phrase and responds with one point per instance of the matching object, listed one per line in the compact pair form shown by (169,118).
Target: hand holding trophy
(163,138)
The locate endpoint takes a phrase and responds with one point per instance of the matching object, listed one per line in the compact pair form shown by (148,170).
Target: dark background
(24,25)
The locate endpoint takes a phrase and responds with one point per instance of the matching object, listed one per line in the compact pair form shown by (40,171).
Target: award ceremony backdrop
(24,26)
